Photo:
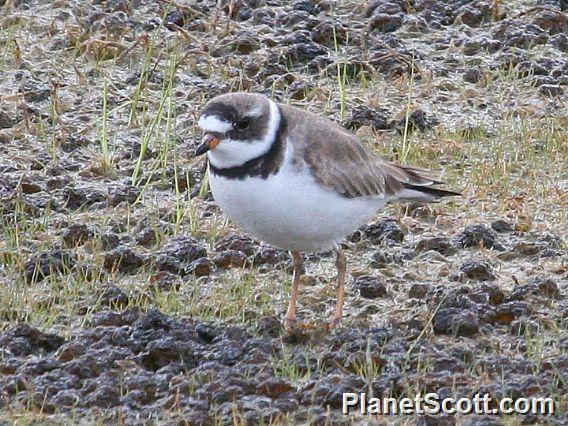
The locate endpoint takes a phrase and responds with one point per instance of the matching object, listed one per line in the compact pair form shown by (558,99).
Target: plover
(298,181)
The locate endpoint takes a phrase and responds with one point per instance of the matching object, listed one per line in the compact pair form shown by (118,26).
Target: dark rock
(200,267)
(174,19)
(455,321)
(7,119)
(23,340)
(550,90)
(551,241)
(230,258)
(520,327)
(473,75)
(490,45)
(527,68)
(147,237)
(165,281)
(365,116)
(382,259)
(471,47)
(271,69)
(320,64)
(109,241)
(243,244)
(145,384)
(436,420)
(546,286)
(415,24)
(67,398)
(418,291)
(35,91)
(30,188)
(122,260)
(178,253)
(418,119)
(485,421)
(71,350)
(501,225)
(123,194)
(112,296)
(153,320)
(306,6)
(476,270)
(44,264)
(527,249)
(329,390)
(165,351)
(370,287)
(552,21)
(76,235)
(110,318)
(206,333)
(476,235)
(328,33)
(103,396)
(264,15)
(57,182)
(297,19)
(513,33)
(383,230)
(40,162)
(442,245)
(274,388)
(508,311)
(560,41)
(73,142)
(78,197)
(470,15)
(540,286)
(300,36)
(269,256)
(298,90)
(302,52)
(270,326)
(245,42)
(541,80)
(83,367)
(386,23)
(488,293)
(382,6)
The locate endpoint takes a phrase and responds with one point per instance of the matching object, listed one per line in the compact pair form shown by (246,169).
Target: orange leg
(341,264)
(291,313)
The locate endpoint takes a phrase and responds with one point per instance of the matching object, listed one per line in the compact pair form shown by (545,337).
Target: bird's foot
(290,323)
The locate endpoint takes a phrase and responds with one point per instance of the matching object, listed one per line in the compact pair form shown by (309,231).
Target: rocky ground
(126,295)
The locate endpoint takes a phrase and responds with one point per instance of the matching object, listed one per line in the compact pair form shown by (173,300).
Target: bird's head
(237,127)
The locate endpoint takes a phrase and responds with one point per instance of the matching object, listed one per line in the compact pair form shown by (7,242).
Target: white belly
(290,210)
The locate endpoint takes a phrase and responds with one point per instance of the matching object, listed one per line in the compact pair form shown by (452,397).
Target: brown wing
(339,160)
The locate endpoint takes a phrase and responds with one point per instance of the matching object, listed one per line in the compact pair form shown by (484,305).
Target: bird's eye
(243,124)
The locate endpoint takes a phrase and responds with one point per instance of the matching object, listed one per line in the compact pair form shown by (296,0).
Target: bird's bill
(209,142)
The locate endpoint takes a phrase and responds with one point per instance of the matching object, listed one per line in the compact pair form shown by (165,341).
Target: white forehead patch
(256,112)
(212,123)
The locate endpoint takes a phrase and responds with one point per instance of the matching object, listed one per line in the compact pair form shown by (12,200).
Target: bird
(299,181)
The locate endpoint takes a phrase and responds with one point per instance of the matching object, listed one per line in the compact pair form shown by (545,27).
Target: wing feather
(338,160)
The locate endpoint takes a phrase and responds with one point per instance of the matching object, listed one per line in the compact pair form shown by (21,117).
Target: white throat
(233,153)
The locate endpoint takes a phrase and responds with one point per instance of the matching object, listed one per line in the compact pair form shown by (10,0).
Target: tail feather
(423,193)
(418,176)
